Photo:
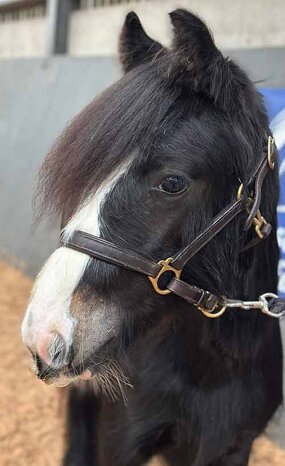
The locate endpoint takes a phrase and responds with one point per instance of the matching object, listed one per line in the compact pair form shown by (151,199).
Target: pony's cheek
(98,322)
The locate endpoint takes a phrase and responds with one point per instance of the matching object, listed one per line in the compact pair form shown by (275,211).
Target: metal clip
(261,304)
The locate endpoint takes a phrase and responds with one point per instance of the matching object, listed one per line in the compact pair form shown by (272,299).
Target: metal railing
(81,4)
(19,10)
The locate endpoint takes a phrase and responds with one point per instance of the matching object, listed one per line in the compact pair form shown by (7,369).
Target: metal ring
(212,315)
(165,267)
(270,152)
(240,191)
(264,299)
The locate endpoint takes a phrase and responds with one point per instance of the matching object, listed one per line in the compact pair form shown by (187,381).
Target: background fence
(96,3)
(18,11)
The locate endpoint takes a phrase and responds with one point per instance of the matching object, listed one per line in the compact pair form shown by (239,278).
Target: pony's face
(145,166)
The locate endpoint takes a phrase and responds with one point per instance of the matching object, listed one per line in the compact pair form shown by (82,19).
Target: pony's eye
(173,184)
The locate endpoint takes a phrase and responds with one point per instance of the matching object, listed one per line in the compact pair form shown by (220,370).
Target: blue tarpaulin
(275,102)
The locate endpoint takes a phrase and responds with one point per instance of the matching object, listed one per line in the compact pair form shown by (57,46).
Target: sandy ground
(32,413)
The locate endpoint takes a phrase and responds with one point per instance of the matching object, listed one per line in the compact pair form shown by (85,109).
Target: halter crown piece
(210,305)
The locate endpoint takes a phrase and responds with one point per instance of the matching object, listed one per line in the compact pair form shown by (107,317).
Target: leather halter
(208,303)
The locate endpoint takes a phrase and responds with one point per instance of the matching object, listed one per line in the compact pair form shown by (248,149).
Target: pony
(147,165)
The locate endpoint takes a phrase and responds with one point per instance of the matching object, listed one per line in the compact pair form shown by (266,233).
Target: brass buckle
(259,221)
(165,267)
(271,152)
(240,191)
(211,312)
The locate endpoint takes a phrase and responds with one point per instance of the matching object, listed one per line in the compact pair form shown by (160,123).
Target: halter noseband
(209,304)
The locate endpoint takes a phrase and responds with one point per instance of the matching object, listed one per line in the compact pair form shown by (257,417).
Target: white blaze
(49,307)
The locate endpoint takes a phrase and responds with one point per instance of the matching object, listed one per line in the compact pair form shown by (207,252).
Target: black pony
(147,165)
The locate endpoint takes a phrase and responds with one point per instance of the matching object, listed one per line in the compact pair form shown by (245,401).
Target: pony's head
(146,165)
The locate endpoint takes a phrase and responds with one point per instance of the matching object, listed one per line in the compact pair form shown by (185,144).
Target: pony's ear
(192,38)
(135,46)
(198,63)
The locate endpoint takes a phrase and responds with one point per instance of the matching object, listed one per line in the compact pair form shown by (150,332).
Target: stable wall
(37,99)
(24,38)
(236,24)
(94,31)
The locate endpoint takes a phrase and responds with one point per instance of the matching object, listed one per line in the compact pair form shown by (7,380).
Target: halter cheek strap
(209,304)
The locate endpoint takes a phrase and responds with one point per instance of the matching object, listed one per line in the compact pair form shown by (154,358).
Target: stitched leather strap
(267,162)
(217,225)
(104,250)
(193,294)
(257,194)
(101,249)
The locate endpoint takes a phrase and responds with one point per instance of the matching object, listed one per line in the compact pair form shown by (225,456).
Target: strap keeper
(208,302)
(210,305)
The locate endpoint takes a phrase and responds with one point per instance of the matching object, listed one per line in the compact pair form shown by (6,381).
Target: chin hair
(111,381)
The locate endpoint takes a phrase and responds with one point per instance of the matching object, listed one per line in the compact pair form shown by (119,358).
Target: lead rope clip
(262,304)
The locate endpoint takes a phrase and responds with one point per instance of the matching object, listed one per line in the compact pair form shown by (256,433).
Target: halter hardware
(165,267)
(259,222)
(214,312)
(240,191)
(206,302)
(263,304)
(271,155)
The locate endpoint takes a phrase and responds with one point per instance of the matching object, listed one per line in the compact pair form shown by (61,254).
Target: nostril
(52,350)
(57,356)
(57,352)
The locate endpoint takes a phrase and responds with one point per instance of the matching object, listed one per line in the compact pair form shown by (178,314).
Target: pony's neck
(238,333)
(261,275)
